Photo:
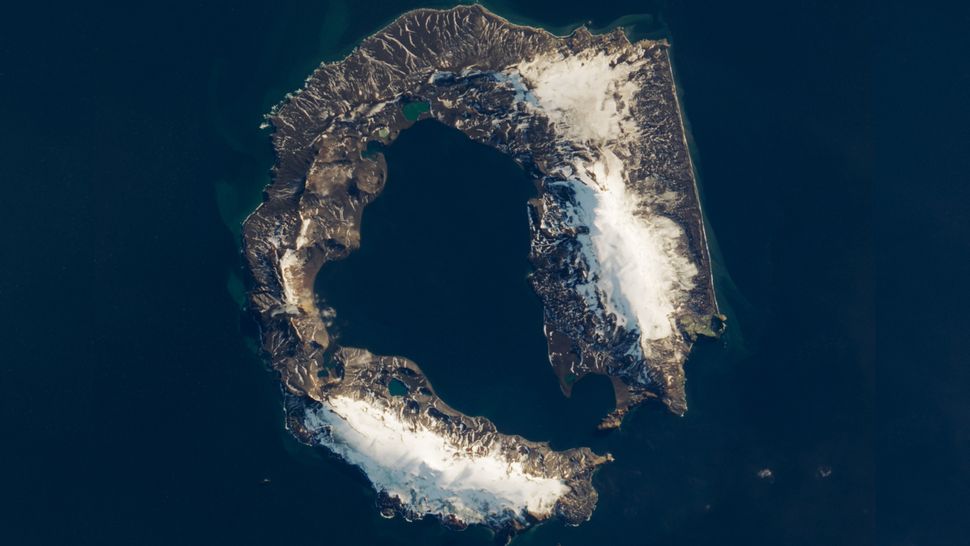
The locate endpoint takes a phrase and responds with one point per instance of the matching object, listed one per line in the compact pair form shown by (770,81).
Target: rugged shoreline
(616,191)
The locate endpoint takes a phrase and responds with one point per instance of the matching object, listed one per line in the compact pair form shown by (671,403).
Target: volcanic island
(619,252)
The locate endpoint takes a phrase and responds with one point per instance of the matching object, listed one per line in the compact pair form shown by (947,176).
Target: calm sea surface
(140,413)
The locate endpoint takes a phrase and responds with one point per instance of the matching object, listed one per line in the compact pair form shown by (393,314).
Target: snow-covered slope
(410,461)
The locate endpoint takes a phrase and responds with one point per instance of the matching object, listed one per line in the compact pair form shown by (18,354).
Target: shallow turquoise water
(155,422)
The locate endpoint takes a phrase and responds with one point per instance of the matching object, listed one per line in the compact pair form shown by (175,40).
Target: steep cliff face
(618,248)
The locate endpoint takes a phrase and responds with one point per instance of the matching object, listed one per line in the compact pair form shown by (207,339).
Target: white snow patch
(637,270)
(634,259)
(426,471)
(289,269)
(303,239)
(587,96)
(513,80)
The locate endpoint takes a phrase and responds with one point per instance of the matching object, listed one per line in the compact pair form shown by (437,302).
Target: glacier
(411,461)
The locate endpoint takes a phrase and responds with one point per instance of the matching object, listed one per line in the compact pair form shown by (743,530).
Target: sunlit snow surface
(587,95)
(290,267)
(426,470)
(635,266)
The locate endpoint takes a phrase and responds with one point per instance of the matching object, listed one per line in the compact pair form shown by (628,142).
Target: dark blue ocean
(137,410)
